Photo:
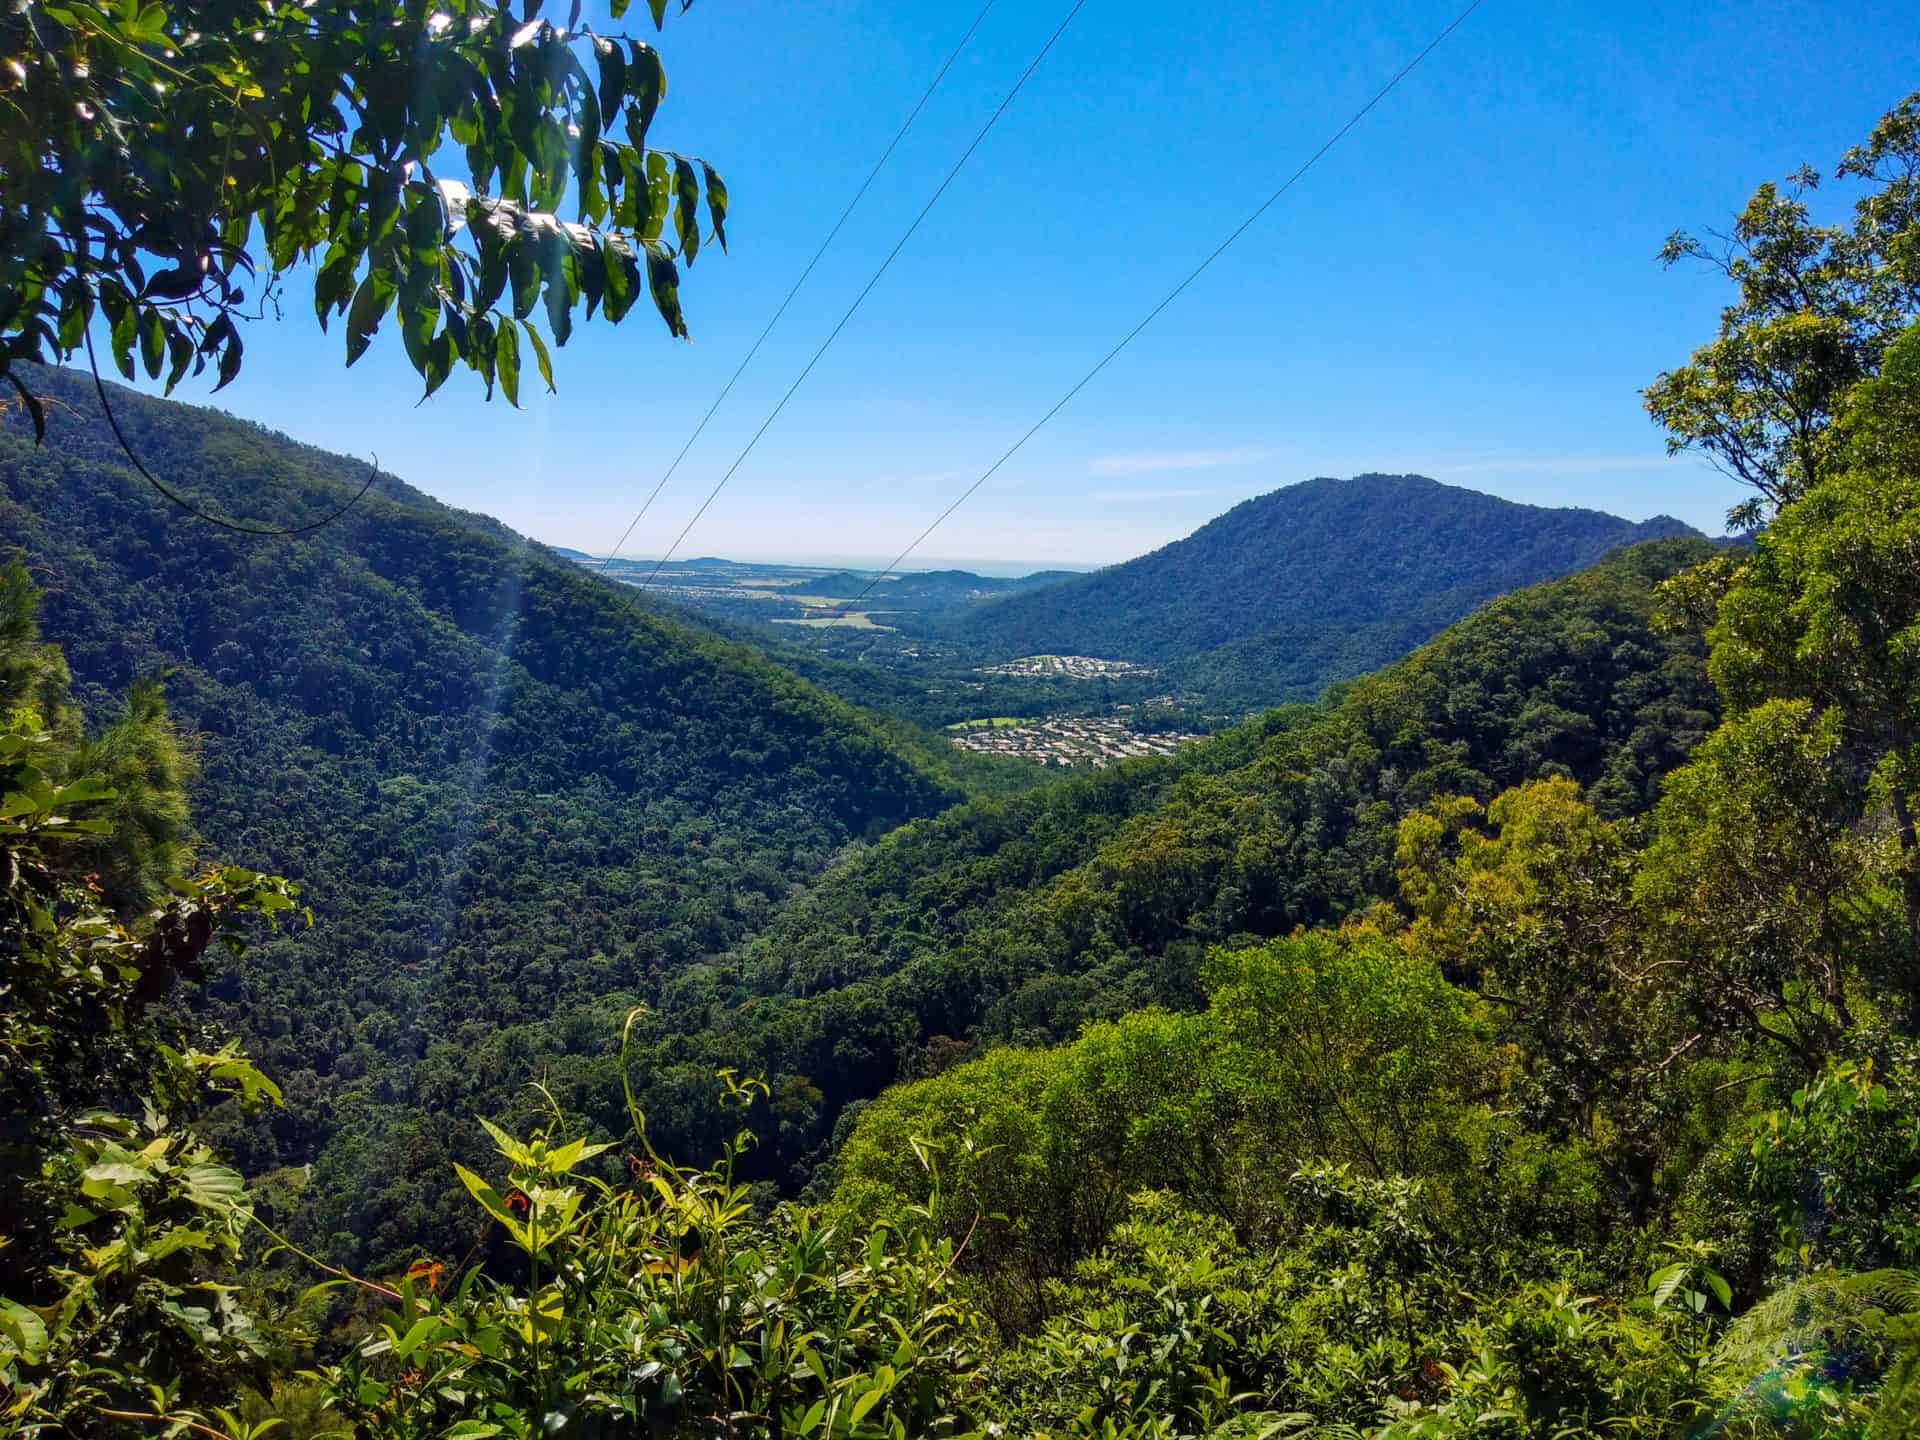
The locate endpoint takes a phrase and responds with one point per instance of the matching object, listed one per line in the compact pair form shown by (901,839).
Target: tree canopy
(457,167)
(1815,307)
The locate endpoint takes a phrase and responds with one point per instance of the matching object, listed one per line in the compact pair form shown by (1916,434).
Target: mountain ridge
(504,785)
(1399,555)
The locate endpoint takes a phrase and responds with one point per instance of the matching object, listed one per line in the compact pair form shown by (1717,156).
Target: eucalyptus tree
(1815,307)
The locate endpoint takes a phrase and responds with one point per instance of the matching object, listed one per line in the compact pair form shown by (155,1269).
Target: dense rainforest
(1516,1042)
(1021,919)
(1317,582)
(505,789)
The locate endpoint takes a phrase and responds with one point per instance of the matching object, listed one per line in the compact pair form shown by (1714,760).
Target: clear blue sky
(1464,288)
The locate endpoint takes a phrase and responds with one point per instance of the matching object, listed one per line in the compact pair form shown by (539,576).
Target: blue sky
(1464,288)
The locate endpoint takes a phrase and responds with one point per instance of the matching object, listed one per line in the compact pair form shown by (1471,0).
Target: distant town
(1071,667)
(1067,742)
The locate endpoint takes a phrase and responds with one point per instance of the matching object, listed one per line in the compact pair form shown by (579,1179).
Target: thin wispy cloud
(1194,492)
(1152,462)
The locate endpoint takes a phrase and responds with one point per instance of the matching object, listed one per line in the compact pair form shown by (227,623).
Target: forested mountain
(1316,582)
(1021,919)
(1519,1042)
(504,787)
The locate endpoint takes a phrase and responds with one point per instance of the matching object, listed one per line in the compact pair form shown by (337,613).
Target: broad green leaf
(181,1237)
(686,209)
(865,1403)
(613,73)
(87,787)
(1722,1291)
(422,1330)
(23,1330)
(254,1086)
(116,1172)
(153,342)
(370,303)
(623,276)
(540,356)
(663,279)
(511,1149)
(507,361)
(214,1187)
(492,1202)
(647,85)
(563,1159)
(1664,1282)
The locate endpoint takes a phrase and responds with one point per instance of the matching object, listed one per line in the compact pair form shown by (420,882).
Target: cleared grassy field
(857,620)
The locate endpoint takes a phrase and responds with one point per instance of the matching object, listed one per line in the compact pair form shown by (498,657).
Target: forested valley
(445,992)
(467,753)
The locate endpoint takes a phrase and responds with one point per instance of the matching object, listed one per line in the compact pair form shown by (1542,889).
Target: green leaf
(865,1403)
(559,307)
(179,1238)
(663,279)
(623,276)
(513,1151)
(23,1330)
(540,356)
(523,266)
(716,204)
(561,1160)
(126,323)
(1722,1291)
(87,787)
(1664,1282)
(114,1172)
(180,350)
(254,1086)
(686,209)
(613,73)
(416,328)
(491,1201)
(214,1187)
(153,342)
(506,359)
(370,303)
(423,1330)
(174,284)
(647,84)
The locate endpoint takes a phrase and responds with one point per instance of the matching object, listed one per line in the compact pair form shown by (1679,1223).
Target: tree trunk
(1910,870)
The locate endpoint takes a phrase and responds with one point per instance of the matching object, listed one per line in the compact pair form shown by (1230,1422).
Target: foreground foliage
(160,161)
(1531,1053)
(509,794)
(118,1223)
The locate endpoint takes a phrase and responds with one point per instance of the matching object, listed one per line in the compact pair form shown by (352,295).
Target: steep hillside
(505,788)
(1313,583)
(1022,919)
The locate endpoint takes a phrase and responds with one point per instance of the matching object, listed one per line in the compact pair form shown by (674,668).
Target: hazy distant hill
(506,788)
(1309,584)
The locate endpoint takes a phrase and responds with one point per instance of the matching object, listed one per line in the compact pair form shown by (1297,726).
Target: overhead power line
(825,244)
(867,289)
(238,527)
(1173,294)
